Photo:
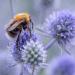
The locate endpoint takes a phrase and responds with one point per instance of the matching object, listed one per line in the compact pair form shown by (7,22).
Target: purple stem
(24,70)
(45,33)
(50,44)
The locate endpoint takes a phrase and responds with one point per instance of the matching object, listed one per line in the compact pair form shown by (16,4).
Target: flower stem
(33,69)
(65,49)
(50,44)
(11,8)
(22,68)
(45,33)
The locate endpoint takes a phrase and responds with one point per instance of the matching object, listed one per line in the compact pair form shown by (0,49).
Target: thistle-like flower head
(61,26)
(64,65)
(34,53)
(24,37)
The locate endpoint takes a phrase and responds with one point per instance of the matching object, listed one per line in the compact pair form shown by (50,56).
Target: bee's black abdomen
(13,33)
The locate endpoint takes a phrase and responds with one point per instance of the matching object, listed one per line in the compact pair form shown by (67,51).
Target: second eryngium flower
(61,26)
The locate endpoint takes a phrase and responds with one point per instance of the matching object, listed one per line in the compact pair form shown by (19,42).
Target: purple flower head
(34,54)
(64,65)
(61,26)
(24,37)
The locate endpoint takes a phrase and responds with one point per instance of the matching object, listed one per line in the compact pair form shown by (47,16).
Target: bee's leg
(32,23)
(17,41)
(30,32)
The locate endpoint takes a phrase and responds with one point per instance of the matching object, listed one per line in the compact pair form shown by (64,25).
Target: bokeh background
(39,10)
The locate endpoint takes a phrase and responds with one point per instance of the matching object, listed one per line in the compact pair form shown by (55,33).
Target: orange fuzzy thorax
(23,16)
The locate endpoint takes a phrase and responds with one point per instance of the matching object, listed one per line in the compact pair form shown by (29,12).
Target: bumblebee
(19,22)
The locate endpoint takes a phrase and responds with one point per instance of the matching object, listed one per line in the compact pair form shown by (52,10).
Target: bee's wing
(8,26)
(13,25)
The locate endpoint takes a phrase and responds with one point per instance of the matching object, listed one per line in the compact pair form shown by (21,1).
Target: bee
(15,26)
(19,22)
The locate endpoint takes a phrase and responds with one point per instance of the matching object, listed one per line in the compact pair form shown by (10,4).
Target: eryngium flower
(64,65)
(24,37)
(34,54)
(61,26)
